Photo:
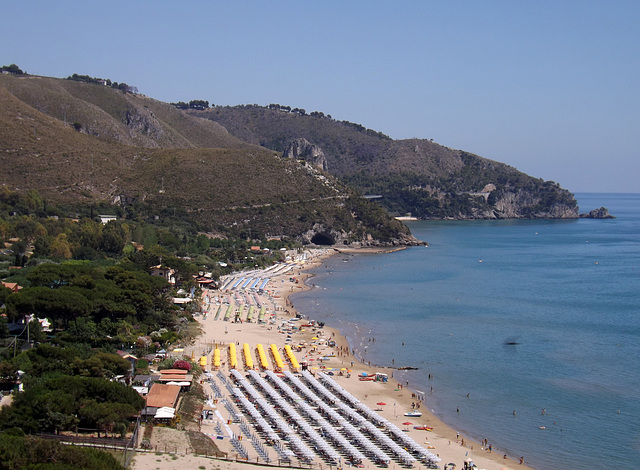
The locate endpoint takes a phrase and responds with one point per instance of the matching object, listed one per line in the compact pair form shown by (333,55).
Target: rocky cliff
(302,149)
(412,176)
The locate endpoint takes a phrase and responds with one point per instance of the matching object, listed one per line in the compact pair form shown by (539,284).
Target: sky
(551,88)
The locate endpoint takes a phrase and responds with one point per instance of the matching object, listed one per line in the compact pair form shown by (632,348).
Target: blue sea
(566,293)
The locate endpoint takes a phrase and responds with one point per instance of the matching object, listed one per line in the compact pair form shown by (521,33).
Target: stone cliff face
(140,120)
(323,235)
(302,149)
(524,204)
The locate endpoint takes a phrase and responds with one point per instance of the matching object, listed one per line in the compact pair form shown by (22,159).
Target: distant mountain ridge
(109,144)
(87,144)
(414,176)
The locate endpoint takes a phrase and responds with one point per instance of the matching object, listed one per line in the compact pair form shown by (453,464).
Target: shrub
(185,365)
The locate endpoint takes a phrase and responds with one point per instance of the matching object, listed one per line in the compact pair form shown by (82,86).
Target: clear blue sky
(549,87)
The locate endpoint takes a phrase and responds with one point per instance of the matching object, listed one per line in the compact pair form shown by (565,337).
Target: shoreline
(390,400)
(441,431)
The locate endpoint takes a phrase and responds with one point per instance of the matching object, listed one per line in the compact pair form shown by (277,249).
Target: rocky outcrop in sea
(602,213)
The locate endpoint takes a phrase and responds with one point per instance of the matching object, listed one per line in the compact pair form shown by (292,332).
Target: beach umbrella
(407,423)
(381,403)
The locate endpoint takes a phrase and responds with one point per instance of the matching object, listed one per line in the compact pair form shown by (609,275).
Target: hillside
(166,165)
(126,118)
(416,175)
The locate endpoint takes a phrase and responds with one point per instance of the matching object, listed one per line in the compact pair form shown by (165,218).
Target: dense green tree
(42,246)
(54,275)
(105,416)
(8,374)
(4,328)
(63,304)
(198,104)
(62,398)
(113,238)
(60,247)
(13,68)
(30,453)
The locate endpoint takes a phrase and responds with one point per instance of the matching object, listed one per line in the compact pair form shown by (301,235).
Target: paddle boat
(423,428)
(413,414)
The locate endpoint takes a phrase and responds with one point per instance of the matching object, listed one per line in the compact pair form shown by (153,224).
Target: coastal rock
(326,236)
(526,204)
(302,149)
(602,213)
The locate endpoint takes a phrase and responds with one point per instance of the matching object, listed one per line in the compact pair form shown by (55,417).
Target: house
(165,272)
(205,282)
(130,358)
(105,219)
(178,377)
(161,396)
(13,286)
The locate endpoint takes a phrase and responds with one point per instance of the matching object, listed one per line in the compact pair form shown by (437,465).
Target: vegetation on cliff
(415,176)
(86,144)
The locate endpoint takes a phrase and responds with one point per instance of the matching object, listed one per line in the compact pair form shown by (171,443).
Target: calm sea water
(568,292)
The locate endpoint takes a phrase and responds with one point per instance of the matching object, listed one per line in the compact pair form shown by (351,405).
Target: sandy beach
(391,399)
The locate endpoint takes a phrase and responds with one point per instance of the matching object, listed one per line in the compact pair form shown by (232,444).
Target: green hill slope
(113,115)
(233,188)
(415,175)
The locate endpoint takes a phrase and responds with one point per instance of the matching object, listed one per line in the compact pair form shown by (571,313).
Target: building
(13,286)
(105,219)
(165,272)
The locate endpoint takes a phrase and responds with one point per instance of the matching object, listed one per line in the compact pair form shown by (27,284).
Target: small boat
(423,428)
(413,414)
